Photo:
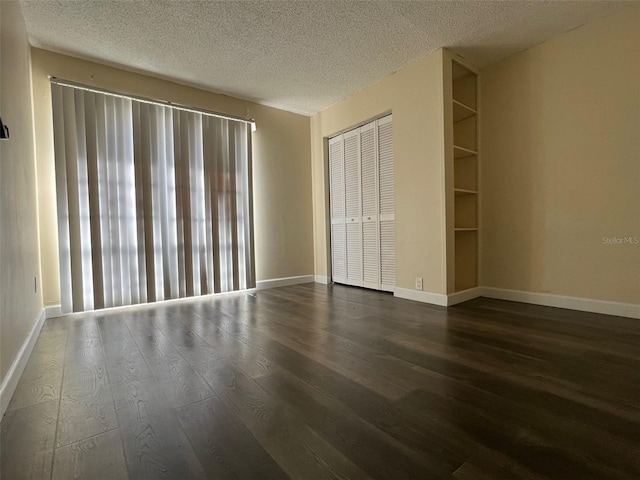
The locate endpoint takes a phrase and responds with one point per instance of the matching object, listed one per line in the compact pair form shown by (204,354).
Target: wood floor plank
(508,318)
(154,443)
(86,406)
(27,438)
(41,380)
(96,458)
(179,381)
(378,454)
(84,353)
(419,351)
(112,326)
(84,345)
(537,441)
(57,323)
(253,363)
(217,315)
(83,327)
(339,359)
(51,342)
(431,437)
(124,361)
(225,447)
(490,465)
(224,343)
(191,346)
(503,380)
(290,441)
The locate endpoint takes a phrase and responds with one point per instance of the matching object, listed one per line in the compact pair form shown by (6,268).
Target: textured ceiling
(300,56)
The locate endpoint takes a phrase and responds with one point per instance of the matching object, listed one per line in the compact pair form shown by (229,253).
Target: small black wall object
(4,131)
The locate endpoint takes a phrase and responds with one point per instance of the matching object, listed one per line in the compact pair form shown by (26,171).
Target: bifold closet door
(362,206)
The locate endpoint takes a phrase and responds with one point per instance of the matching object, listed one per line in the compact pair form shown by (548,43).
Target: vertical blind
(154,202)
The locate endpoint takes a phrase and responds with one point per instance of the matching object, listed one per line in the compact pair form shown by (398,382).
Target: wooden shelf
(461,152)
(461,111)
(464,191)
(465,229)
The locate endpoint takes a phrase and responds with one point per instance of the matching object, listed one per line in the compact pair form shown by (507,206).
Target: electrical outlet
(418,283)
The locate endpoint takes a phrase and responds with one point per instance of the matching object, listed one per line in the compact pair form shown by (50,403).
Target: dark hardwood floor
(316,382)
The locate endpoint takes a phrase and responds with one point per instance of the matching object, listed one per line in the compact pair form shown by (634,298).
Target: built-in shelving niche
(465,171)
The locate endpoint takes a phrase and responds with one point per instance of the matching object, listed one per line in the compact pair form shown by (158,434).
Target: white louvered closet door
(362,206)
(386,205)
(338,231)
(370,223)
(353,207)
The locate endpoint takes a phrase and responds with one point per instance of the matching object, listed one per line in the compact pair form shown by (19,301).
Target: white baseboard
(11,379)
(322,279)
(53,311)
(464,296)
(419,296)
(630,310)
(284,282)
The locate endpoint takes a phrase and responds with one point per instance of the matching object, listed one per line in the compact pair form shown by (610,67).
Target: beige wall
(282,168)
(415,97)
(560,133)
(19,253)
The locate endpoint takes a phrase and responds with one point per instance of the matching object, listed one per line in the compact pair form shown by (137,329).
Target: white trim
(464,295)
(419,296)
(284,282)
(322,279)
(12,377)
(53,311)
(631,310)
